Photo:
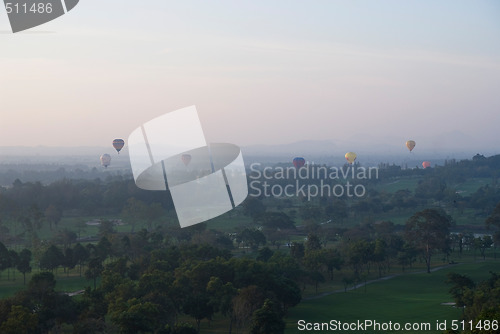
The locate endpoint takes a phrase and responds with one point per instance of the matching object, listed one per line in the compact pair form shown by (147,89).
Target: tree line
(151,285)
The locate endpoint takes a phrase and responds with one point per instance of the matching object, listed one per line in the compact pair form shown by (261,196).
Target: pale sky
(259,72)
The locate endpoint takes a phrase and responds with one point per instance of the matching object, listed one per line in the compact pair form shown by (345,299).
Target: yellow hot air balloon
(410,144)
(350,157)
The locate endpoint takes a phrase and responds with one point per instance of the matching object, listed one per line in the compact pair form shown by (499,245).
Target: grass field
(230,221)
(409,183)
(470,186)
(408,298)
(64,283)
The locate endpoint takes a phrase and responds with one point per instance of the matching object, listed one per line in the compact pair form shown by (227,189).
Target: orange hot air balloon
(350,157)
(410,144)
(186,159)
(118,144)
(105,160)
(426,164)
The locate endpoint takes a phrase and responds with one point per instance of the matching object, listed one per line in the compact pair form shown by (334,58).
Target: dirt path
(360,285)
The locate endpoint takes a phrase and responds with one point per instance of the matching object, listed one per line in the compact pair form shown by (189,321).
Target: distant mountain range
(451,145)
(371,150)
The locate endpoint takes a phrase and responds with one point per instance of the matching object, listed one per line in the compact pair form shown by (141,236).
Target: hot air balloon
(105,160)
(186,159)
(298,162)
(118,144)
(410,144)
(350,157)
(426,164)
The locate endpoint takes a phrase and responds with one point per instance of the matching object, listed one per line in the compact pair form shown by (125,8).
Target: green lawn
(470,186)
(9,288)
(465,189)
(230,221)
(393,185)
(410,298)
(64,283)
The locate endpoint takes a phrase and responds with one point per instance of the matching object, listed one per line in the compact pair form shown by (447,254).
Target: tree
(406,255)
(480,301)
(494,218)
(379,255)
(23,265)
(66,237)
(248,300)
(314,259)
(80,225)
(69,261)
(36,216)
(483,243)
(496,242)
(134,211)
(135,316)
(20,320)
(94,269)
(14,259)
(4,257)
(264,254)
(221,298)
(359,254)
(267,320)
(52,258)
(428,231)
(276,220)
(81,255)
(53,215)
(103,248)
(461,284)
(106,228)
(297,250)
(315,277)
(253,207)
(198,306)
(286,291)
(332,260)
(153,213)
(312,243)
(252,237)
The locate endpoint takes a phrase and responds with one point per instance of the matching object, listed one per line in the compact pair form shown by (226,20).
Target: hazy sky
(258,71)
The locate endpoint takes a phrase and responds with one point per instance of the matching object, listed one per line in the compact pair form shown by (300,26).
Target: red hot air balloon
(426,164)
(299,162)
(186,159)
(118,144)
